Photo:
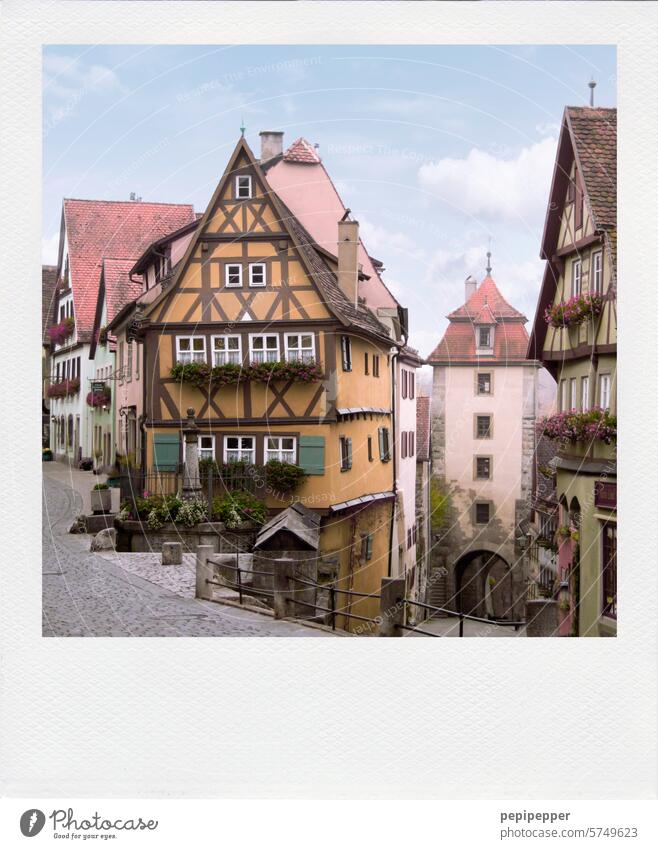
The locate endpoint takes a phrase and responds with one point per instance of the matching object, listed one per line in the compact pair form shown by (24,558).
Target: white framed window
(243,187)
(239,449)
(576,277)
(257,275)
(207,447)
(484,337)
(300,346)
(584,393)
(233,275)
(597,273)
(263,348)
(604,391)
(226,349)
(191,349)
(280,448)
(573,394)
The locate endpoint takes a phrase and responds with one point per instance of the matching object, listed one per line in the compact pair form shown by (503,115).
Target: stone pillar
(191,479)
(541,618)
(392,607)
(172,553)
(204,572)
(281,585)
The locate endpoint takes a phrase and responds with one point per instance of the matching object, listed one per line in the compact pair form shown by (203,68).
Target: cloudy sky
(439,151)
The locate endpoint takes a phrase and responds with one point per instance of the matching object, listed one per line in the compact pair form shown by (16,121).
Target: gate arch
(484,585)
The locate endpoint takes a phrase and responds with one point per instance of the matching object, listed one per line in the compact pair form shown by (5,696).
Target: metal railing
(239,585)
(457,614)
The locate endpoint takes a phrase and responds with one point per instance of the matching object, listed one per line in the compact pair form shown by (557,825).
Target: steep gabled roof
(302,151)
(119,288)
(96,229)
(314,263)
(48,286)
(487,306)
(590,136)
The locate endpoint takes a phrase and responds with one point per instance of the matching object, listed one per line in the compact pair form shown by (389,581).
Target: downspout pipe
(394,428)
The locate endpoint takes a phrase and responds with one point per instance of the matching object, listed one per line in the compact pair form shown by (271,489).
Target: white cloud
(379,240)
(67,77)
(485,185)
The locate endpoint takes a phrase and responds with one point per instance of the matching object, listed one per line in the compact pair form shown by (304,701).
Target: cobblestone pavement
(90,595)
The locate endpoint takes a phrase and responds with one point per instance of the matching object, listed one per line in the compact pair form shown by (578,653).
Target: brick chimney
(470,287)
(348,266)
(271,144)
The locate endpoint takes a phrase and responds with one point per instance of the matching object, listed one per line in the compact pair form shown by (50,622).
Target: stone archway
(484,585)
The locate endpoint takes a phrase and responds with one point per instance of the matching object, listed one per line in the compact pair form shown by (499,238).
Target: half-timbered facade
(252,290)
(580,350)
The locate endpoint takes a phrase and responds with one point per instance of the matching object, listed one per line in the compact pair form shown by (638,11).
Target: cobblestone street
(89,595)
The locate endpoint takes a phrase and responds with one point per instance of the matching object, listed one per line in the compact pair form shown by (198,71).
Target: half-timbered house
(575,336)
(279,320)
(91,231)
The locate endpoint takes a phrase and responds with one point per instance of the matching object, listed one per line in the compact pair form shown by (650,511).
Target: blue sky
(437,150)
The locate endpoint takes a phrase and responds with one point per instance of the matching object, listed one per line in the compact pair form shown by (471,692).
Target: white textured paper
(327,718)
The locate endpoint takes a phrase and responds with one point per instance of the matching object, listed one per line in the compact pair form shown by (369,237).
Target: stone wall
(135,536)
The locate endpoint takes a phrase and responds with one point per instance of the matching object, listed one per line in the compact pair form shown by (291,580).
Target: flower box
(574,426)
(574,311)
(63,388)
(59,333)
(100,399)
(205,376)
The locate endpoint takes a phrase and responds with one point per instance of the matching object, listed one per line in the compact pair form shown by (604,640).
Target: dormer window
(242,187)
(484,337)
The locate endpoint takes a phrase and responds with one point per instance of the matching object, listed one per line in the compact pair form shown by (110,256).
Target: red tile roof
(594,132)
(485,306)
(119,288)
(48,286)
(96,229)
(487,303)
(422,428)
(302,151)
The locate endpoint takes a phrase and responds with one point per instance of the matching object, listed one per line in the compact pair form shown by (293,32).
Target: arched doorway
(484,586)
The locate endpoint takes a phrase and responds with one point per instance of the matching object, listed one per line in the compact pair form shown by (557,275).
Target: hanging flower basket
(580,427)
(575,311)
(59,333)
(99,399)
(63,388)
(204,376)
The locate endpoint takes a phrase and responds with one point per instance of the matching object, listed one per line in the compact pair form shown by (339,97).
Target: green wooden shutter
(349,452)
(166,451)
(311,454)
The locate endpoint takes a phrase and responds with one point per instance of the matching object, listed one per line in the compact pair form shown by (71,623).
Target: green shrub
(236,508)
(101,486)
(283,477)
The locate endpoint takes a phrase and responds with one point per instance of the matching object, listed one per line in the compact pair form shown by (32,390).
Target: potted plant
(86,464)
(46,454)
(101,498)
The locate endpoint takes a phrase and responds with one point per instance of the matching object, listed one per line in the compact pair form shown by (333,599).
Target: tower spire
(242,127)
(488,263)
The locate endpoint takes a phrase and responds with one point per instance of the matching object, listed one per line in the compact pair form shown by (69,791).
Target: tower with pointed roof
(483,422)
